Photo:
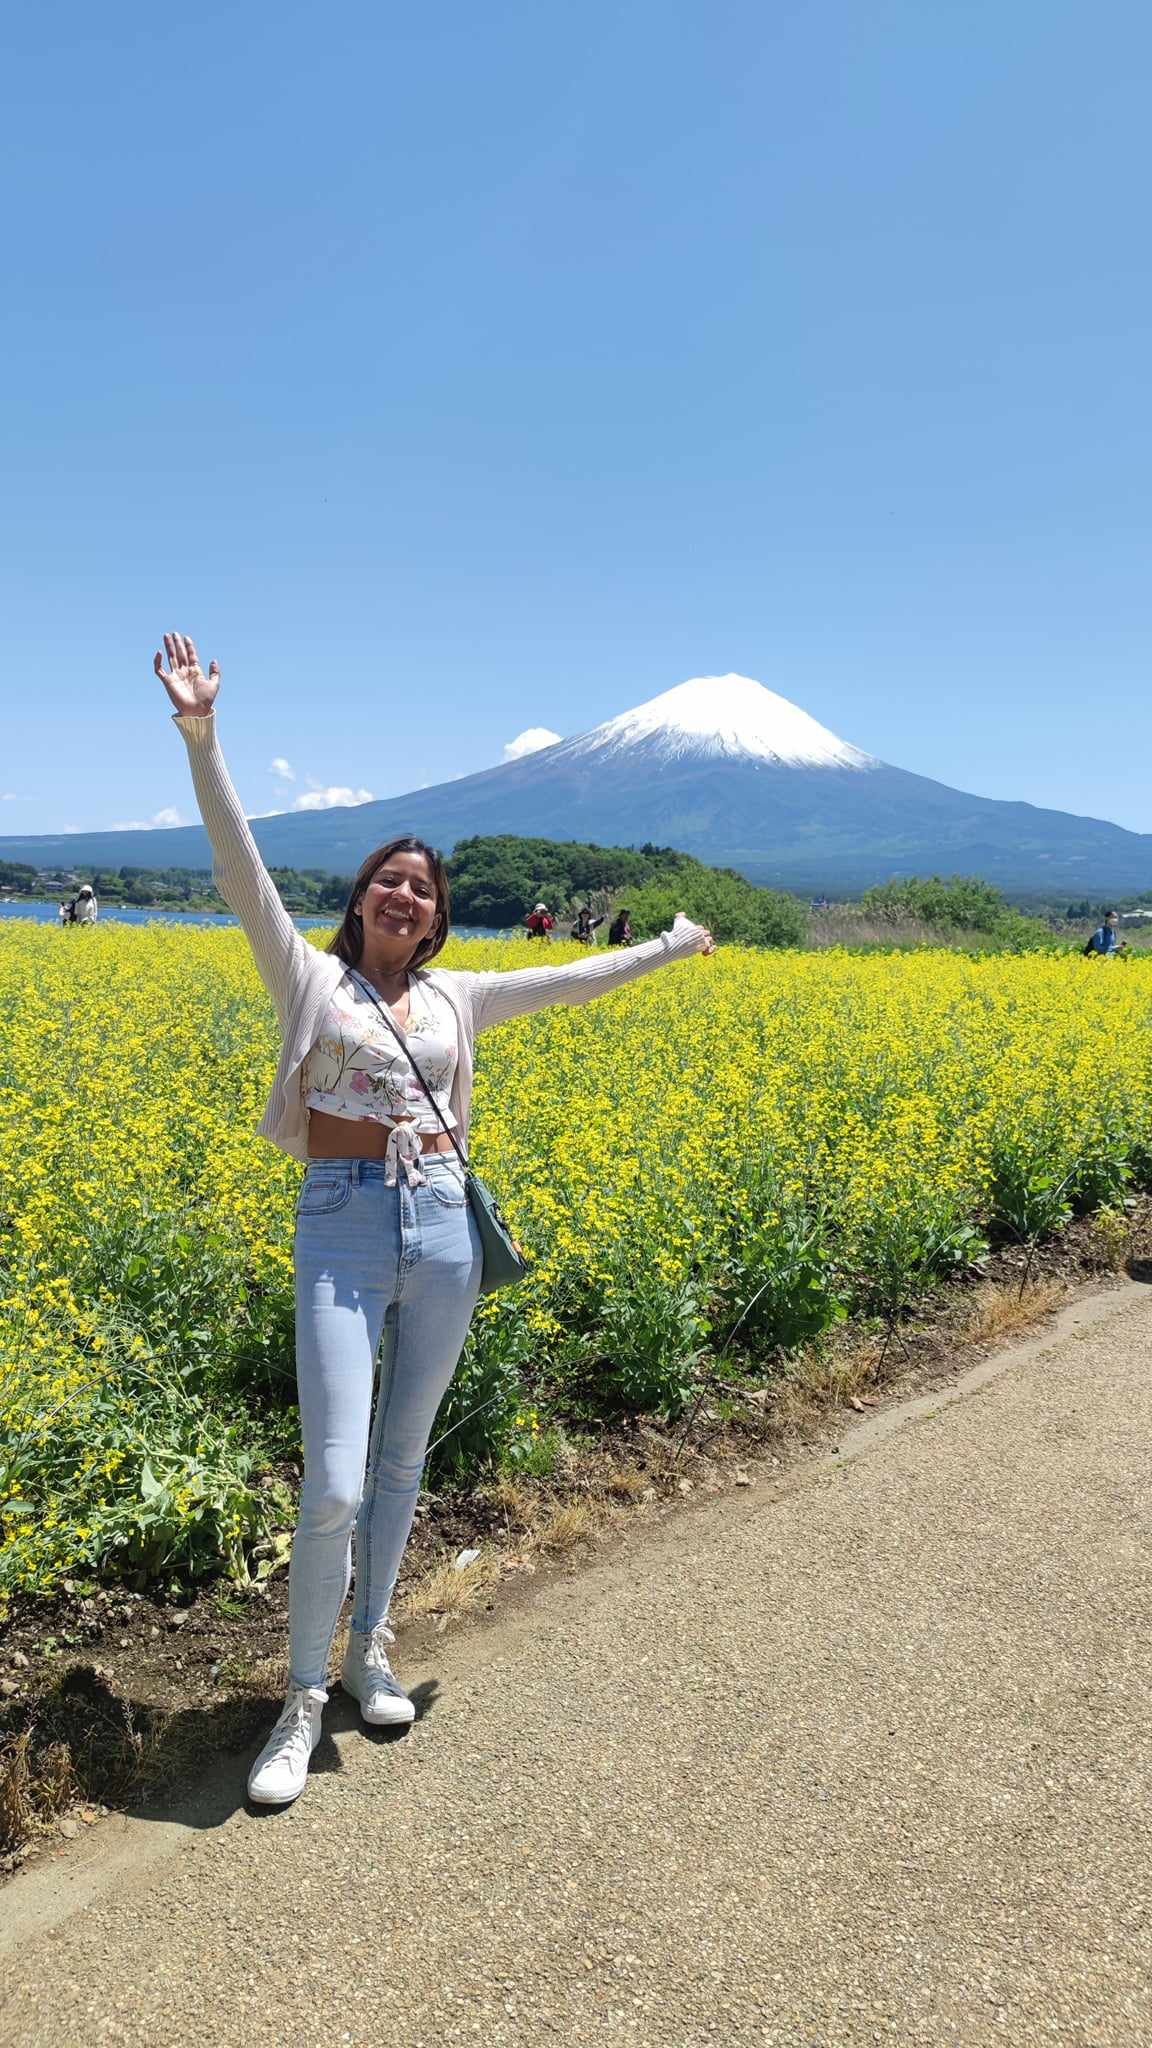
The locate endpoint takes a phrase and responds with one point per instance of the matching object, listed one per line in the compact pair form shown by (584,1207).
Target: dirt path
(864,1758)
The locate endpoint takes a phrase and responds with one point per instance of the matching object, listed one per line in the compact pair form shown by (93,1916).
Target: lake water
(130,913)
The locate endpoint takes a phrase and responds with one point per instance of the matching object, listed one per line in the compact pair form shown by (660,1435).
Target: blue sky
(499,369)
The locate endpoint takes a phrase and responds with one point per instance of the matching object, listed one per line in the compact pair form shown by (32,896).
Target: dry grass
(626,1482)
(835,1373)
(576,1522)
(797,1415)
(36,1784)
(1001,1310)
(17,1805)
(518,1503)
(444,1590)
(844,926)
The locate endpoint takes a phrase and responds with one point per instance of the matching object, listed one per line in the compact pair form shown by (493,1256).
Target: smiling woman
(399,909)
(386,1243)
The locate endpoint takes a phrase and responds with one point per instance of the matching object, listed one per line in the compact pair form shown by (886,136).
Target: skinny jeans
(382,1272)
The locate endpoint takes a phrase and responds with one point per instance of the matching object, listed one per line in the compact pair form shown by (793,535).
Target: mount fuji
(719,767)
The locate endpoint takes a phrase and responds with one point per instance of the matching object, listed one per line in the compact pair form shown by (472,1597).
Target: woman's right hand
(192,692)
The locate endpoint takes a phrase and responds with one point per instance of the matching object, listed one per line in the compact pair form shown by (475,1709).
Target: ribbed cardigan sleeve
(238,871)
(498,997)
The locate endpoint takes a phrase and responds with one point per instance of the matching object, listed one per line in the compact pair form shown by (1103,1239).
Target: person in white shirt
(86,905)
(385,1242)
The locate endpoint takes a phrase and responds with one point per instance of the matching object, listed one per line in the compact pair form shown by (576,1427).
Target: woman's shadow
(190,1766)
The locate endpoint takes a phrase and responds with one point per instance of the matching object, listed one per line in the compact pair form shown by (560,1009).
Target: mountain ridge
(719,767)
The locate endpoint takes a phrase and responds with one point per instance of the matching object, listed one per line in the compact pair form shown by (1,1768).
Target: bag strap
(405,1048)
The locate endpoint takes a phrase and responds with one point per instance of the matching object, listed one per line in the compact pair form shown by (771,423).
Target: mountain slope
(719,767)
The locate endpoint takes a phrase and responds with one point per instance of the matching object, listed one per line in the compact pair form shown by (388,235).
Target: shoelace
(295,1723)
(376,1656)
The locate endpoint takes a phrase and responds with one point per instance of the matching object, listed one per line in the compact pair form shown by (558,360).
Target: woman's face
(399,903)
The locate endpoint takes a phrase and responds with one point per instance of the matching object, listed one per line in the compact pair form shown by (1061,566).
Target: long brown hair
(348,940)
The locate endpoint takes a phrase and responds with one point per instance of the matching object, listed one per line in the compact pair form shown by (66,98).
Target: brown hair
(348,941)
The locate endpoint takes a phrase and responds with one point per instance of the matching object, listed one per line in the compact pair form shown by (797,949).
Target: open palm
(192,692)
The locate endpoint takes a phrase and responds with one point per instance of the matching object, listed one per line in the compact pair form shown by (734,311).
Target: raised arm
(497,997)
(237,869)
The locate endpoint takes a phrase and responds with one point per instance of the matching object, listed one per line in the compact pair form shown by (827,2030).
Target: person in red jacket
(540,922)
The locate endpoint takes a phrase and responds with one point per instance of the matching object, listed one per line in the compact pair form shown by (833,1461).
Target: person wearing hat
(585,928)
(86,905)
(540,922)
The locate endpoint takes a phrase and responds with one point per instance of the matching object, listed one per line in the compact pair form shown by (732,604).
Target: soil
(109,1698)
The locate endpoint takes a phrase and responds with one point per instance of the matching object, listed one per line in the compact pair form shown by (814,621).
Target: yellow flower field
(741,1149)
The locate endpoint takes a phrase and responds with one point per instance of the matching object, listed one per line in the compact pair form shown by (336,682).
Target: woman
(385,1244)
(586,926)
(620,929)
(84,910)
(1105,942)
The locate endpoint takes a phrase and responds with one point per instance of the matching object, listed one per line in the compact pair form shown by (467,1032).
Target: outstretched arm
(498,997)
(238,871)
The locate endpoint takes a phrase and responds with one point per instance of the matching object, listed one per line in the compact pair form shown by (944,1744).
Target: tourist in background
(1105,939)
(539,922)
(84,909)
(585,928)
(620,929)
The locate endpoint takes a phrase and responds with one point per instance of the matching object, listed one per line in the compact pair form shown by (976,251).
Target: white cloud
(9,796)
(318,796)
(168,816)
(283,769)
(530,742)
(333,798)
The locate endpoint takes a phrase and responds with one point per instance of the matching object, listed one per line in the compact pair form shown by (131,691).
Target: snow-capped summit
(723,718)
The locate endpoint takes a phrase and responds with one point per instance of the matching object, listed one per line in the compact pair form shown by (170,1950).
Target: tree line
(495,881)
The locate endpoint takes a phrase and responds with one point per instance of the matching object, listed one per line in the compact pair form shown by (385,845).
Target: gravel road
(860,1758)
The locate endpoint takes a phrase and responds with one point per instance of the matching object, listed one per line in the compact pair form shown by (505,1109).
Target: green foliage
(633,1338)
(532,1448)
(495,881)
(184,1287)
(963,903)
(110,1462)
(651,1336)
(780,1288)
(477,1418)
(956,903)
(735,911)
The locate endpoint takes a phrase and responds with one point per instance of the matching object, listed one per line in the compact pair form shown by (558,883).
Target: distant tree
(963,902)
(735,911)
(956,903)
(15,875)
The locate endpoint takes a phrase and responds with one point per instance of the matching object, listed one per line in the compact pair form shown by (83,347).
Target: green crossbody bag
(504,1262)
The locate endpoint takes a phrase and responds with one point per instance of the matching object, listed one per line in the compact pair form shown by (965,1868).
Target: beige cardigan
(300,979)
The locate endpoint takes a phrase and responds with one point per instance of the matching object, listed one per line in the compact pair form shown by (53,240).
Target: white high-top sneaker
(280,1772)
(369,1677)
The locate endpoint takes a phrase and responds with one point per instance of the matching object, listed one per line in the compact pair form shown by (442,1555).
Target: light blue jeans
(372,1261)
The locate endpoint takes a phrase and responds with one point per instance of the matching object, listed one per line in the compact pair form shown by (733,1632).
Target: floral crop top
(357,1069)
